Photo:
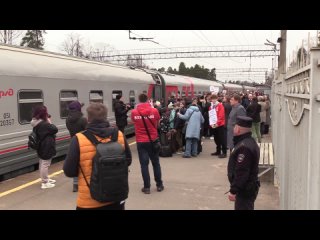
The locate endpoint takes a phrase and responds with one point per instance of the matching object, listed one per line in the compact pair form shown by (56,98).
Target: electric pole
(283,51)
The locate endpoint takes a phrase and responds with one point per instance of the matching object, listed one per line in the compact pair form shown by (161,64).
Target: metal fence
(296,132)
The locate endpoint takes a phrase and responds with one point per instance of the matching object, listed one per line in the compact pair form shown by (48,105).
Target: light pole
(268,43)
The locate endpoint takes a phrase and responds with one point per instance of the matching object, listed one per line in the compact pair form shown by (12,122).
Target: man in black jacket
(75,123)
(120,111)
(243,166)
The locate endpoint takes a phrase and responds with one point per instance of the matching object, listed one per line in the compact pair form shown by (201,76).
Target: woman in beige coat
(263,113)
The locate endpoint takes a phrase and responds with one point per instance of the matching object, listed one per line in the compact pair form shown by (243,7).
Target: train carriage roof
(231,85)
(17,61)
(174,79)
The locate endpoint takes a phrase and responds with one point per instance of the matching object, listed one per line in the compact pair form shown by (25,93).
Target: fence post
(313,190)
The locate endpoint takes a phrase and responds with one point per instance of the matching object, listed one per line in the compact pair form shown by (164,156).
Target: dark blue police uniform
(243,167)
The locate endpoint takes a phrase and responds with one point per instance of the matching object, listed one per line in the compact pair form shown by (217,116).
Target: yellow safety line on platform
(27,184)
(34,182)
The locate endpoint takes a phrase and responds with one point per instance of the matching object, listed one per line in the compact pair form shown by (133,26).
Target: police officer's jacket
(243,163)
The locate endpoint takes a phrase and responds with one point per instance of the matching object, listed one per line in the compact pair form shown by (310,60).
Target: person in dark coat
(178,126)
(237,110)
(75,123)
(227,110)
(245,101)
(253,111)
(120,112)
(45,132)
(243,166)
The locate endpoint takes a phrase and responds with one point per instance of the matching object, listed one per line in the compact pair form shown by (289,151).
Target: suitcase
(165,151)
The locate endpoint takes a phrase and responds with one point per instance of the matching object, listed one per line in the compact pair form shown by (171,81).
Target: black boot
(215,154)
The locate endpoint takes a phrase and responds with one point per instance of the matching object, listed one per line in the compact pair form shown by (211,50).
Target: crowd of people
(235,122)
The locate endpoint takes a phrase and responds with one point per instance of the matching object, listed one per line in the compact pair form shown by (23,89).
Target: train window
(114,94)
(66,97)
(30,95)
(69,94)
(183,94)
(96,96)
(132,98)
(28,100)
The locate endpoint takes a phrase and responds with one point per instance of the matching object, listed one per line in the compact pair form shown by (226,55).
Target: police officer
(243,166)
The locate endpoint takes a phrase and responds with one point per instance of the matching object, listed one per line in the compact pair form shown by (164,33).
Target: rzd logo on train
(6,93)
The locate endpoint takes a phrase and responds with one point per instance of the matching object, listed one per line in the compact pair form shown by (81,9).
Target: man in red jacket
(219,127)
(146,130)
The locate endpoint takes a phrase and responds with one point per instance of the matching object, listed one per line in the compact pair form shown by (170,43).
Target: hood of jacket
(35,122)
(101,129)
(194,108)
(74,116)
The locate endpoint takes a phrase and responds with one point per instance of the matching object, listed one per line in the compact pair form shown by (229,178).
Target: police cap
(244,121)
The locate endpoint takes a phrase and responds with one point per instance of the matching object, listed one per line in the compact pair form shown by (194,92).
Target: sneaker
(47,185)
(179,153)
(145,190)
(212,138)
(51,180)
(160,188)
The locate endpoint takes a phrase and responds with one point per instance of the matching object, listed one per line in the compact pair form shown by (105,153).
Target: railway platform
(190,184)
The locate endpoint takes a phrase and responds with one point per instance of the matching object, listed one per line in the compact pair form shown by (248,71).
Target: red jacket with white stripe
(220,114)
(146,111)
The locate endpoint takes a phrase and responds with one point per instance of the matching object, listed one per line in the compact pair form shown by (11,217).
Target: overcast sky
(119,39)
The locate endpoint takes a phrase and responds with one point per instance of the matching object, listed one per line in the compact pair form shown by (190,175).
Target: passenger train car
(29,77)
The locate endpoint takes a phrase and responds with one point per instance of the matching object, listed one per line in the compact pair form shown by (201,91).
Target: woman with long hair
(45,132)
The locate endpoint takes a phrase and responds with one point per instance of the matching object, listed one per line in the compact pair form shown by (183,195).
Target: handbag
(155,143)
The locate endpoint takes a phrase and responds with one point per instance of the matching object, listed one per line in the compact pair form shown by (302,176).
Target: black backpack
(109,176)
(33,141)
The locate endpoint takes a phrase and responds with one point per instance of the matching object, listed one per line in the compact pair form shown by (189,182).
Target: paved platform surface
(190,184)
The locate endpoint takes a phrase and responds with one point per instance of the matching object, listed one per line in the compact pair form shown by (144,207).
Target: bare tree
(8,36)
(100,51)
(73,45)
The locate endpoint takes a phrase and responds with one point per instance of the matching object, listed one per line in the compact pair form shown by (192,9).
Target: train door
(157,92)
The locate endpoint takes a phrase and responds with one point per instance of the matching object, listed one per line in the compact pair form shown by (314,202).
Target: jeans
(145,153)
(219,140)
(43,169)
(256,131)
(191,147)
